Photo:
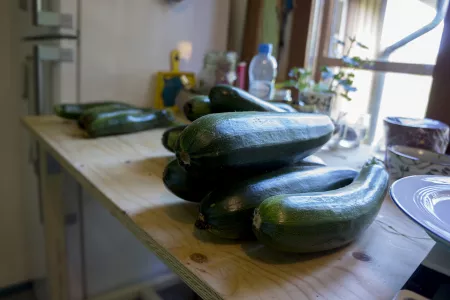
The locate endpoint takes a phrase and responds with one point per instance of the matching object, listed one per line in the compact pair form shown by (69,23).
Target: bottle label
(262,90)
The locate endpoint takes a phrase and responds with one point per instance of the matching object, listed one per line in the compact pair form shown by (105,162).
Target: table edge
(199,286)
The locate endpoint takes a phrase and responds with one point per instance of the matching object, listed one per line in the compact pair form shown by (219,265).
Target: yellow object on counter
(169,84)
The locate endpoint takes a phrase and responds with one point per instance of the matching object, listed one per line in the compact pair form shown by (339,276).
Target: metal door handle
(25,82)
(43,17)
(42,54)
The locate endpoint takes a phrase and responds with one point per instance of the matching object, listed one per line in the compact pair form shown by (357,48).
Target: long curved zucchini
(104,111)
(193,186)
(74,111)
(314,222)
(129,123)
(227,98)
(227,211)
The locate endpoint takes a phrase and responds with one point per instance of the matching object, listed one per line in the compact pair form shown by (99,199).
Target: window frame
(322,59)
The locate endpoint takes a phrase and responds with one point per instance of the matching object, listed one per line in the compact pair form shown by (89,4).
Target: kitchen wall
(124,43)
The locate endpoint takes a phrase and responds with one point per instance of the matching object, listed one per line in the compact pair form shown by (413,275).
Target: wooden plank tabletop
(124,174)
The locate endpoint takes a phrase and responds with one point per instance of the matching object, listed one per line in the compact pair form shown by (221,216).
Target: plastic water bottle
(262,73)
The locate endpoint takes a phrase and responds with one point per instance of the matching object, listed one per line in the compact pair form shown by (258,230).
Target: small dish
(426,200)
(405,161)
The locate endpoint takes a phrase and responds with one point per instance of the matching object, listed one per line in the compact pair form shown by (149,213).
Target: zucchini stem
(256,219)
(200,223)
(185,158)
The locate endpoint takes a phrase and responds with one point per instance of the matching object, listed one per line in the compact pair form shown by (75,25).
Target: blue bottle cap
(265,48)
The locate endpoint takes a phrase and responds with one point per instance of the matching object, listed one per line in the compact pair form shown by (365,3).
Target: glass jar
(218,68)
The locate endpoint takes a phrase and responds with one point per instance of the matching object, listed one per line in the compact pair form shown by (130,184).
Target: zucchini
(227,98)
(227,211)
(284,106)
(129,123)
(193,186)
(170,137)
(254,140)
(103,111)
(322,221)
(74,111)
(184,185)
(196,107)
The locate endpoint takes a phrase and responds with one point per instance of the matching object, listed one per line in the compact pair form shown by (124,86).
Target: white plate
(426,200)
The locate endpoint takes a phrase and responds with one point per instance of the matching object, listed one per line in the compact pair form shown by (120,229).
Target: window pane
(360,98)
(379,28)
(404,95)
(400,22)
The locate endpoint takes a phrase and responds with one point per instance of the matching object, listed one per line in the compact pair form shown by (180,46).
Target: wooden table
(124,174)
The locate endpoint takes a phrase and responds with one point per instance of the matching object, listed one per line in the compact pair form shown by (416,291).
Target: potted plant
(320,96)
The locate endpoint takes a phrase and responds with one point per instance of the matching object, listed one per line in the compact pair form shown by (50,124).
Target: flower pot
(317,102)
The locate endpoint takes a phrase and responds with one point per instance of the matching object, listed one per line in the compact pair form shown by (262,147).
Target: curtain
(365,21)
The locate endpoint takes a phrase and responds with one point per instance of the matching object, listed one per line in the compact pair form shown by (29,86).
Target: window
(403,37)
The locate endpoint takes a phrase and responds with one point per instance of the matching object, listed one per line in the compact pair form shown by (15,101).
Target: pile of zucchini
(112,117)
(250,169)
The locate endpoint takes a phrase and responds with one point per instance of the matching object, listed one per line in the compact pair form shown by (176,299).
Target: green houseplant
(318,96)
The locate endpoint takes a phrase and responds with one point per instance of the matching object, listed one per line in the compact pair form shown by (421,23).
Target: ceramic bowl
(419,133)
(405,161)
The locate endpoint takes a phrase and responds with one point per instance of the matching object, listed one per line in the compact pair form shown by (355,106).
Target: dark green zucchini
(187,186)
(322,221)
(227,98)
(129,123)
(193,186)
(196,107)
(170,137)
(284,106)
(252,140)
(91,114)
(74,111)
(227,211)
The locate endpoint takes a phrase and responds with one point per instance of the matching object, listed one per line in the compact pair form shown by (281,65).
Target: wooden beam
(384,66)
(252,30)
(299,34)
(324,36)
(439,102)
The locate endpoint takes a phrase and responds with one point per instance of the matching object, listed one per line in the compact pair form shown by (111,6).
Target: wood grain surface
(124,174)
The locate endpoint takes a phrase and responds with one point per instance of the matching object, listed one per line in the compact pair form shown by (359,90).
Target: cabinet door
(13,251)
(46,36)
